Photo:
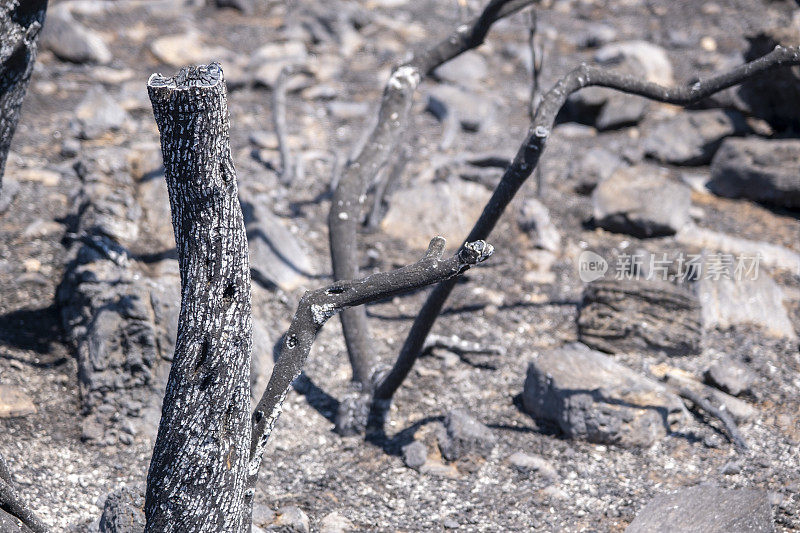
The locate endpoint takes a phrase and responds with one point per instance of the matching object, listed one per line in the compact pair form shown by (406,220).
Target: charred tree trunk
(20,24)
(197,474)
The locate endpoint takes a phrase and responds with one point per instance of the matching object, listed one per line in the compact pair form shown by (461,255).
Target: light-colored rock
(442,208)
(187,49)
(335,523)
(99,113)
(730,376)
(462,435)
(735,300)
(593,397)
(70,40)
(641,201)
(770,255)
(15,402)
(692,137)
(650,59)
(534,218)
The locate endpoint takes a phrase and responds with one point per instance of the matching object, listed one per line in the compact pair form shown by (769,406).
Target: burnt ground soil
(600,488)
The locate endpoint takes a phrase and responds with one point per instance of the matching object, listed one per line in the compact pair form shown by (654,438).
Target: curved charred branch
(316,307)
(279,121)
(20,25)
(198,469)
(531,150)
(349,195)
(723,416)
(11,503)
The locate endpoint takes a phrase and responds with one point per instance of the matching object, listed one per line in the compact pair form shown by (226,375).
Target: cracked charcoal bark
(197,473)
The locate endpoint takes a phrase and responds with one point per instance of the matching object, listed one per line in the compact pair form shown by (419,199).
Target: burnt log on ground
(20,25)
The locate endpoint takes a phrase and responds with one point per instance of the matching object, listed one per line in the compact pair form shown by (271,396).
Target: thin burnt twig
(723,416)
(11,503)
(531,150)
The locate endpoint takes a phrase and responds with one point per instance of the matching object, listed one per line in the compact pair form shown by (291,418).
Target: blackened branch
(349,194)
(11,503)
(527,159)
(316,307)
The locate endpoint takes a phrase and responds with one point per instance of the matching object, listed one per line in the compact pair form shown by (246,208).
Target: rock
(446,208)
(592,167)
(69,40)
(187,49)
(620,111)
(123,511)
(157,219)
(640,58)
(631,315)
(268,61)
(415,454)
(730,376)
(467,70)
(773,97)
(262,515)
(277,257)
(592,397)
(762,170)
(9,191)
(292,519)
(335,523)
(692,137)
(534,218)
(347,110)
(741,300)
(770,255)
(529,464)
(448,102)
(98,113)
(464,435)
(706,509)
(642,202)
(15,402)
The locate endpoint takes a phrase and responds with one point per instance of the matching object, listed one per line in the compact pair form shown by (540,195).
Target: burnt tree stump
(196,480)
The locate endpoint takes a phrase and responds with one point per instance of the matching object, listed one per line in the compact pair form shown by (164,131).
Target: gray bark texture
(197,474)
(20,24)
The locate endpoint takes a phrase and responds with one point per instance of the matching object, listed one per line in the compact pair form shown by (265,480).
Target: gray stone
(762,170)
(291,519)
(347,110)
(632,315)
(415,214)
(15,402)
(592,167)
(592,397)
(463,435)
(596,34)
(188,49)
(692,137)
(123,511)
(639,58)
(335,523)
(263,516)
(529,464)
(415,454)
(472,111)
(534,218)
(70,40)
(642,202)
(742,300)
(8,192)
(706,509)
(98,113)
(277,257)
(730,376)
(620,111)
(10,524)
(468,70)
